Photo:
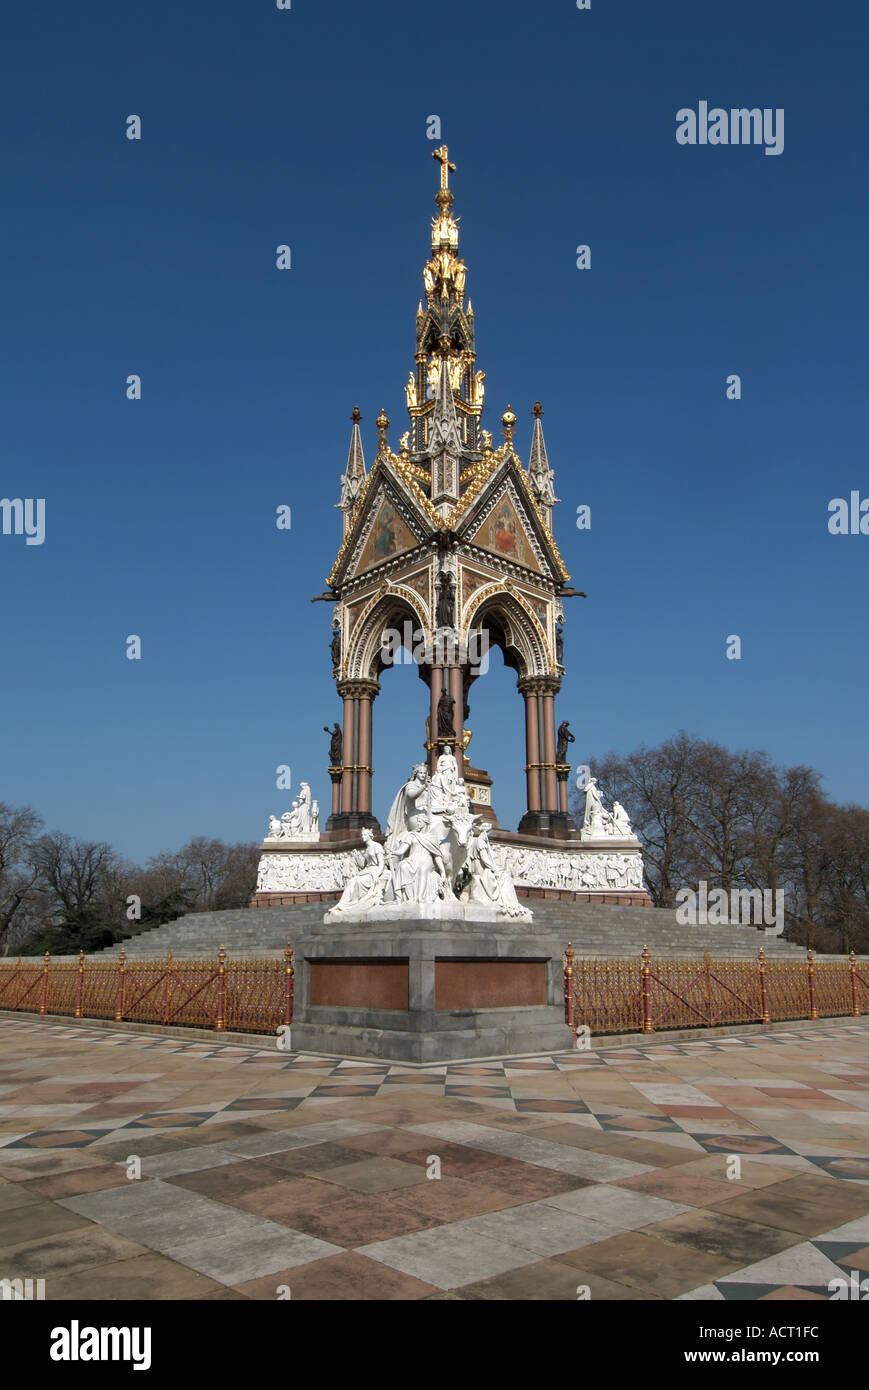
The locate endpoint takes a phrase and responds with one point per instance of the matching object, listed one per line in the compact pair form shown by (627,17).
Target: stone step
(596,930)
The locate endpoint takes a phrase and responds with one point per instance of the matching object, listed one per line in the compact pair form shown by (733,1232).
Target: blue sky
(308,127)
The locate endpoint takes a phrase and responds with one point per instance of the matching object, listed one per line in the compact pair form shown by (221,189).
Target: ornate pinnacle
(382,423)
(537,411)
(508,420)
(354,474)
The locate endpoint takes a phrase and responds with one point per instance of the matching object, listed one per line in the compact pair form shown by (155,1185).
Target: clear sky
(308,127)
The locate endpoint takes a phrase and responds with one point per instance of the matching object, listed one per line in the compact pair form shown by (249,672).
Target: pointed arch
(388,609)
(513,627)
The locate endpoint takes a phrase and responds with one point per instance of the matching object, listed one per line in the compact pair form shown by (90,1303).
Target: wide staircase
(595,930)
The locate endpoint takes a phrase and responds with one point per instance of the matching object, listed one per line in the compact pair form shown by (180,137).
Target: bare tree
(19,875)
(704,812)
(76,872)
(660,789)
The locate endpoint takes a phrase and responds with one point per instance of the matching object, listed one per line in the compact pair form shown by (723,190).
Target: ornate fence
(644,996)
(249,996)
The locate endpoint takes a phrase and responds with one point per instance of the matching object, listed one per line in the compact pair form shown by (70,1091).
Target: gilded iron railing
(646,996)
(247,996)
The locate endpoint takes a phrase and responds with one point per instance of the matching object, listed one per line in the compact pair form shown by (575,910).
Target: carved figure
(446,703)
(364,889)
(446,602)
(419,871)
(564,738)
(593,823)
(412,796)
(336,744)
(486,883)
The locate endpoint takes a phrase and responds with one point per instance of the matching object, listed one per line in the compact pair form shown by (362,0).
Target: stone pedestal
(344,823)
(554,825)
(478,785)
(434,993)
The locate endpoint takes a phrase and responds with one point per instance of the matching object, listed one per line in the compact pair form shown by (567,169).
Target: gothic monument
(449,543)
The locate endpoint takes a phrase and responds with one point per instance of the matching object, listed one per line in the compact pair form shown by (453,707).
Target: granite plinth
(428,991)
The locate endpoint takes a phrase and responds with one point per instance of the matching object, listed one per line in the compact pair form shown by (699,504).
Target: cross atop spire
(447,168)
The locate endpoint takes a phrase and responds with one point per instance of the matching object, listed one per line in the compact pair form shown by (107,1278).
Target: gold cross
(443,155)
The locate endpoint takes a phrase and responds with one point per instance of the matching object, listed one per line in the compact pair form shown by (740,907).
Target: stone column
(349,753)
(436,686)
(548,702)
(365,703)
(336,775)
(532,751)
(545,814)
(457,692)
(356,773)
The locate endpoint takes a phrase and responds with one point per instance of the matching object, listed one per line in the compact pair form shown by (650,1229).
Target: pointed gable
(503,530)
(388,535)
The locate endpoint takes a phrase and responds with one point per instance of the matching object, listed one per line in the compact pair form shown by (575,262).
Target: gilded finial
(508,420)
(537,411)
(444,197)
(382,423)
(357,415)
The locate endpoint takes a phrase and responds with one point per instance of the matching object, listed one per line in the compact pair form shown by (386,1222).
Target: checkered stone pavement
(734,1167)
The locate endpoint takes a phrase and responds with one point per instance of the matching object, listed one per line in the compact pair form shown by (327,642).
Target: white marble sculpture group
(436,860)
(532,867)
(437,857)
(600,824)
(301,823)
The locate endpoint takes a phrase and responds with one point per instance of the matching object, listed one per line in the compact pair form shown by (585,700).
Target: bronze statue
(564,738)
(446,604)
(559,644)
(446,703)
(335,648)
(336,745)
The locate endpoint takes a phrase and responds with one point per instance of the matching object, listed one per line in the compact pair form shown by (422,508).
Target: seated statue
(364,889)
(486,883)
(621,823)
(276,830)
(418,868)
(411,796)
